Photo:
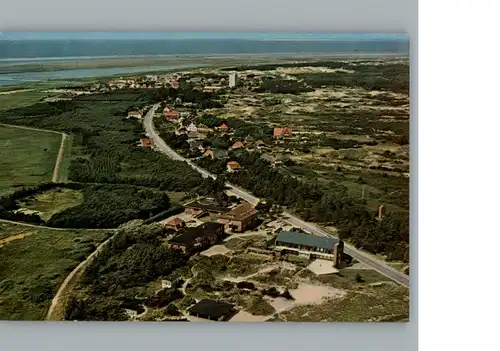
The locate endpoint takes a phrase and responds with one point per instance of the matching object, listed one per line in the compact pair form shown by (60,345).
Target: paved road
(161,146)
(375,263)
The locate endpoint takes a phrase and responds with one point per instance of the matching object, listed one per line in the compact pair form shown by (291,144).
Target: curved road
(367,259)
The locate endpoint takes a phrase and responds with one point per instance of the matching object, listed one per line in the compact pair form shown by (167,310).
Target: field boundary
(58,305)
(60,154)
(64,138)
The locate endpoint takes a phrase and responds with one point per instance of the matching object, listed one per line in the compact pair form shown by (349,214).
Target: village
(248,263)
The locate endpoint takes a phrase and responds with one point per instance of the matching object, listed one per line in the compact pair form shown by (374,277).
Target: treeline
(389,77)
(390,236)
(103,206)
(187,94)
(116,278)
(107,206)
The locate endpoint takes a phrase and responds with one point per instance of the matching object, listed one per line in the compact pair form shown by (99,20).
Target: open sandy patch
(320,267)
(307,294)
(243,316)
(215,250)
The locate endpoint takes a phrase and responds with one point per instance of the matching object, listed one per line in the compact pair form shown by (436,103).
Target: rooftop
(211,308)
(175,221)
(189,235)
(307,240)
(240,212)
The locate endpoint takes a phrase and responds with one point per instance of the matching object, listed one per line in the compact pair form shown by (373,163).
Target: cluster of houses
(238,219)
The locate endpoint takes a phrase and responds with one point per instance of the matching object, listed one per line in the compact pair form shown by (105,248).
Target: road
(161,146)
(369,260)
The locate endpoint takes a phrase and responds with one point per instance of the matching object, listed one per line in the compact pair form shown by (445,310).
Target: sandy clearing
(307,294)
(311,69)
(281,304)
(215,250)
(320,267)
(243,316)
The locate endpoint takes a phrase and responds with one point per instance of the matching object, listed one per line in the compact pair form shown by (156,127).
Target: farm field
(27,157)
(34,265)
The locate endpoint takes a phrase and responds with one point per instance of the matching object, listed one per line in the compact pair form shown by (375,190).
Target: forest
(103,206)
(116,278)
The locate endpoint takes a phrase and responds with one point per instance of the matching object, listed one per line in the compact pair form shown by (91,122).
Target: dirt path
(57,307)
(13,237)
(186,282)
(57,167)
(30,128)
(53,228)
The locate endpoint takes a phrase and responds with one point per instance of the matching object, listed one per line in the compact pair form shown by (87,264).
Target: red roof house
(282,132)
(232,166)
(237,145)
(175,223)
(171,114)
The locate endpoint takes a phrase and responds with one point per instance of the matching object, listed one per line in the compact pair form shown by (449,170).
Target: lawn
(27,157)
(32,268)
(53,201)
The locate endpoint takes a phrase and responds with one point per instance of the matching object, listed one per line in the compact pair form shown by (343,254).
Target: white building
(232,80)
(192,128)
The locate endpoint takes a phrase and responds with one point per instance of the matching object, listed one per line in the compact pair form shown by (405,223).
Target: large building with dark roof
(193,238)
(212,310)
(310,245)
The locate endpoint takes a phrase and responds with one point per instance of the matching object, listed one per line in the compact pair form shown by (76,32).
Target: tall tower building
(232,80)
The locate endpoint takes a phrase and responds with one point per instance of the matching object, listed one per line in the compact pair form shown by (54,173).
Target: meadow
(27,157)
(33,267)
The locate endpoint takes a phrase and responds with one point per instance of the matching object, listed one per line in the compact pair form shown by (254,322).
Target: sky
(197,35)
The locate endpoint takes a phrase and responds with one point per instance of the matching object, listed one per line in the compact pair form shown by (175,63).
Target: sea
(22,48)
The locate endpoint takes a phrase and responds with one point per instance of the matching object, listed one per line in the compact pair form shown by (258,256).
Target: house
(204,206)
(211,88)
(232,166)
(175,223)
(192,128)
(237,145)
(134,114)
(224,127)
(215,154)
(146,142)
(311,246)
(174,83)
(260,144)
(282,132)
(195,238)
(171,114)
(240,218)
(212,310)
(196,144)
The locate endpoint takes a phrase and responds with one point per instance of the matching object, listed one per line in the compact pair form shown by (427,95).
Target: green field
(53,201)
(27,156)
(33,267)
(21,98)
